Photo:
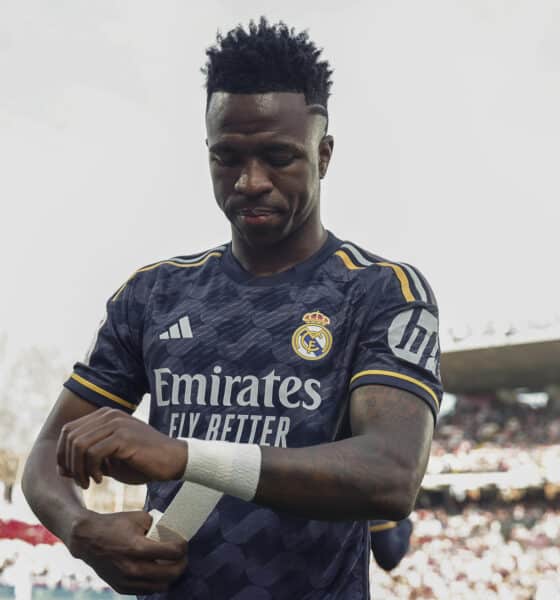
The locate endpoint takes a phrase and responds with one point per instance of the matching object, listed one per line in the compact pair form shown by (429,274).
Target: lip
(257,211)
(257,216)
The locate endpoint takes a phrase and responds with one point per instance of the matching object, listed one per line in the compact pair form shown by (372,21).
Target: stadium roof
(498,333)
(532,365)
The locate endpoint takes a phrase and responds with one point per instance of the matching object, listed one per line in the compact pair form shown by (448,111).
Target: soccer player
(294,372)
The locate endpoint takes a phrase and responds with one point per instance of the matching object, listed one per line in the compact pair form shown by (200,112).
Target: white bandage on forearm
(186,513)
(228,467)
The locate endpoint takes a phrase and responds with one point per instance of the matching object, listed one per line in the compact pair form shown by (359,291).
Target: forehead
(281,113)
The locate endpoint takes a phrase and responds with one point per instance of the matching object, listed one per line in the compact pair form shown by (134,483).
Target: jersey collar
(301,271)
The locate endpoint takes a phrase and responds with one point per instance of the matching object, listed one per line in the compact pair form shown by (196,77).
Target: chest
(239,363)
(304,329)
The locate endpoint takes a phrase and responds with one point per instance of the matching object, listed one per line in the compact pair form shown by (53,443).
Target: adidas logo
(180,330)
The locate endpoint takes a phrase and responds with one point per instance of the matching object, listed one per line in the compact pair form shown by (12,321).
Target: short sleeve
(112,374)
(390,541)
(399,341)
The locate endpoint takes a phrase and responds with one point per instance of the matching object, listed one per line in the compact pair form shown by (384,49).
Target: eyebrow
(271,145)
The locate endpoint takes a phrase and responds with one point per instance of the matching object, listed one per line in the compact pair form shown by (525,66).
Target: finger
(83,441)
(61,449)
(97,427)
(139,586)
(64,449)
(79,442)
(101,413)
(64,452)
(152,550)
(142,518)
(96,461)
(62,471)
(157,572)
(83,432)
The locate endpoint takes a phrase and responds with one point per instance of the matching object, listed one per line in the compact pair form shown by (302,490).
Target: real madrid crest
(312,341)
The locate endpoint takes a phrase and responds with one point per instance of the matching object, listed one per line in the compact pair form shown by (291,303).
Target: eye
(225,158)
(280,158)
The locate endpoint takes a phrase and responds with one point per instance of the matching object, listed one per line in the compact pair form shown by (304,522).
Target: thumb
(141,518)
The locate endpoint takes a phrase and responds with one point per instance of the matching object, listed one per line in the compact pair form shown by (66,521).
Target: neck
(263,260)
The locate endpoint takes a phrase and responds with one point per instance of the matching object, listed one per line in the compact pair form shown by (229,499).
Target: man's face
(267,153)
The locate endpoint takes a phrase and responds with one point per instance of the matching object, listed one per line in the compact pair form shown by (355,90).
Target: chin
(263,236)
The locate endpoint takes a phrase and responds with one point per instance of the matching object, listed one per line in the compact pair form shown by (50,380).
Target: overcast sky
(446,124)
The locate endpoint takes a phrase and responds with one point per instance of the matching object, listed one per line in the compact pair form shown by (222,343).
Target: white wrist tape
(228,467)
(185,515)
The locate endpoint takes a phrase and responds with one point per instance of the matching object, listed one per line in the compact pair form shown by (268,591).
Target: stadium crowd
(485,420)
(488,548)
(489,553)
(24,566)
(483,434)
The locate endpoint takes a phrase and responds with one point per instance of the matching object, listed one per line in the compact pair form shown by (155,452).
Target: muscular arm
(57,501)
(376,474)
(113,544)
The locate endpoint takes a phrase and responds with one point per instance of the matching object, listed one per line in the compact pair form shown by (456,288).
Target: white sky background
(446,122)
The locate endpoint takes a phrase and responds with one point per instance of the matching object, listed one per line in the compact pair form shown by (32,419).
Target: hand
(110,442)
(115,546)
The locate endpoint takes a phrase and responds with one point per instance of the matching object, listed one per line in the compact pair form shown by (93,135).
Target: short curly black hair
(267,58)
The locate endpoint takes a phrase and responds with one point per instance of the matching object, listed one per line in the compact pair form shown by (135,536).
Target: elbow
(31,469)
(394,508)
(395,498)
(407,493)
(27,478)
(403,507)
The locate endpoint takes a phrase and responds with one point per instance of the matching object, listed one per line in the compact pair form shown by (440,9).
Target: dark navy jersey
(390,541)
(270,360)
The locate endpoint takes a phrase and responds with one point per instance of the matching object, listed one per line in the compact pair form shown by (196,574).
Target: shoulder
(388,276)
(144,278)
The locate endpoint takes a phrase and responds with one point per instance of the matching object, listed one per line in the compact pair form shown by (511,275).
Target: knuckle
(80,446)
(89,454)
(105,412)
(122,588)
(178,570)
(130,569)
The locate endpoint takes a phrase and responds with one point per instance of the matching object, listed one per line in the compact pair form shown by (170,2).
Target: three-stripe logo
(180,330)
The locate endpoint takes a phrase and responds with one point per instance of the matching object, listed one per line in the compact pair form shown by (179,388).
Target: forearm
(350,479)
(375,474)
(57,501)
(357,478)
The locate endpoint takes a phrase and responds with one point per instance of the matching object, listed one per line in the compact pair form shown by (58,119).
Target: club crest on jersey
(312,341)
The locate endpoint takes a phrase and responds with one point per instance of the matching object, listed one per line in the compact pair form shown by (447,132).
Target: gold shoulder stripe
(347,261)
(103,392)
(403,279)
(164,262)
(397,269)
(420,384)
(383,526)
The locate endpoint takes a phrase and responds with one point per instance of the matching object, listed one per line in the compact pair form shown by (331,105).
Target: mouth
(257,215)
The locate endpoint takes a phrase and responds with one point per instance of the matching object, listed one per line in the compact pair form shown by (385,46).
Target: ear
(326,146)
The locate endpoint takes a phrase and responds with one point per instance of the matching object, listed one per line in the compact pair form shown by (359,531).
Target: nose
(254,180)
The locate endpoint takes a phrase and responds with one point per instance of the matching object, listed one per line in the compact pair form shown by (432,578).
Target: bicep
(68,407)
(401,423)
